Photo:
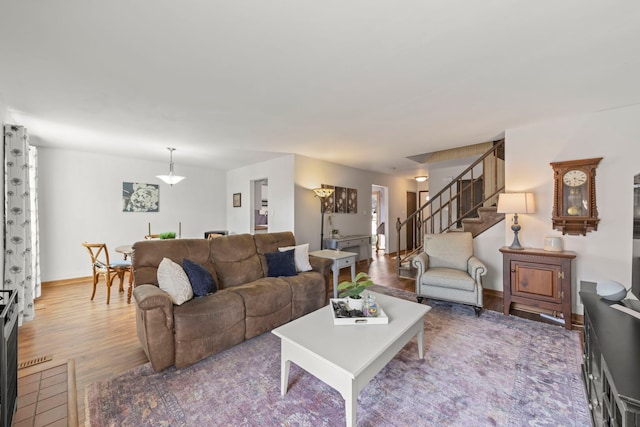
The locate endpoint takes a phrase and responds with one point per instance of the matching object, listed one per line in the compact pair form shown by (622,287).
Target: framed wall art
(139,197)
(237,200)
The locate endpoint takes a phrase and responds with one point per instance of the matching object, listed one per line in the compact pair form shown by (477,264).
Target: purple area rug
(494,370)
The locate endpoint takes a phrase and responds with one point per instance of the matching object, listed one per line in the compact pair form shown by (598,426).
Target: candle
(149,233)
(179,230)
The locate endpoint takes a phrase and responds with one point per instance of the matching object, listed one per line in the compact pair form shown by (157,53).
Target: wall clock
(574,196)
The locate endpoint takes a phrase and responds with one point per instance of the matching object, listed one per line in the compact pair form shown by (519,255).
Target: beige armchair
(448,270)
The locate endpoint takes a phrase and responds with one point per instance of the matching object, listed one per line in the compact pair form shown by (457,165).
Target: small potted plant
(353,289)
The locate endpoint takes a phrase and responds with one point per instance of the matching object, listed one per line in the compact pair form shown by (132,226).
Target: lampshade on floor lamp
(322,193)
(515,203)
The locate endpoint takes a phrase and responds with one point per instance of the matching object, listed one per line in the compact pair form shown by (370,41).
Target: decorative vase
(355,303)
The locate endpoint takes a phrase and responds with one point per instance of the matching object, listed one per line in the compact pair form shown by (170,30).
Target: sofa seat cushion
(308,293)
(267,304)
(448,278)
(236,260)
(207,325)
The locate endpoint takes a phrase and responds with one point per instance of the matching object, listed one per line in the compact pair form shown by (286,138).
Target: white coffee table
(348,357)
(341,259)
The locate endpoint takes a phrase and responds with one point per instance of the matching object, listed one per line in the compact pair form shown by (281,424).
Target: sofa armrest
(322,265)
(154,324)
(149,297)
(476,268)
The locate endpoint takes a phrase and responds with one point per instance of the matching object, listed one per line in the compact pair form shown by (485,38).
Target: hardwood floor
(102,338)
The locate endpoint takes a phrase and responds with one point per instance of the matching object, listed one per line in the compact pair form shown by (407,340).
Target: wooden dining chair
(100,264)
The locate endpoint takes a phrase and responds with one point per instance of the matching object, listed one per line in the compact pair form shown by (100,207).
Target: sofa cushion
(205,326)
(267,304)
(174,281)
(308,292)
(301,256)
(149,253)
(201,280)
(236,260)
(281,263)
(270,242)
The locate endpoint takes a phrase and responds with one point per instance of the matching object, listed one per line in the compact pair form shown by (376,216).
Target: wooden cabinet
(538,278)
(610,370)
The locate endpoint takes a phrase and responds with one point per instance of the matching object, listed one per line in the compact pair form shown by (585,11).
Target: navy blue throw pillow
(202,282)
(281,263)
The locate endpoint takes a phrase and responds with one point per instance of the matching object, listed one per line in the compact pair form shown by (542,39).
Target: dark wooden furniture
(538,278)
(8,356)
(611,368)
(574,196)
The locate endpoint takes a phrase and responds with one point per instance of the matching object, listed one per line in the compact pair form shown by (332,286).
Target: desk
(362,242)
(340,260)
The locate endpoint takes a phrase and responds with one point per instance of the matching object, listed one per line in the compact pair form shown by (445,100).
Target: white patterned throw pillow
(174,281)
(301,256)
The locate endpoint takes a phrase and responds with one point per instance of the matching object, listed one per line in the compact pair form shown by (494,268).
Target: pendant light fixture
(171,178)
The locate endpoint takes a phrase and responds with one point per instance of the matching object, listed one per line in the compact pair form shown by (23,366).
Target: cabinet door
(535,281)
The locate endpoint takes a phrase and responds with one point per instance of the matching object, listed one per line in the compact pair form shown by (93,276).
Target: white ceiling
(362,83)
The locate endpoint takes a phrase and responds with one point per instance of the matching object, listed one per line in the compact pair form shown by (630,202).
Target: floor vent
(35,361)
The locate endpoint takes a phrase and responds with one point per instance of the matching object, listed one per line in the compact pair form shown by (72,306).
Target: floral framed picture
(139,197)
(237,200)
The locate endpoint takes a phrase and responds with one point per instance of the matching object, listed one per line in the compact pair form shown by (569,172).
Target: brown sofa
(247,303)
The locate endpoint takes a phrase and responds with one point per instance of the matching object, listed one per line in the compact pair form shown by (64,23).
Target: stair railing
(445,211)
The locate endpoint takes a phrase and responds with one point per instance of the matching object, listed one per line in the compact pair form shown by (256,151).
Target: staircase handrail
(418,214)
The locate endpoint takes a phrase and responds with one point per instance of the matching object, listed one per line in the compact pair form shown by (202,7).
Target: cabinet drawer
(345,262)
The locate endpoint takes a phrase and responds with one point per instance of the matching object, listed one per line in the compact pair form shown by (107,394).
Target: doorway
(260,206)
(379,215)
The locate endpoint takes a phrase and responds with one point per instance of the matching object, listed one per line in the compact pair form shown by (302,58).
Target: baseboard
(67,281)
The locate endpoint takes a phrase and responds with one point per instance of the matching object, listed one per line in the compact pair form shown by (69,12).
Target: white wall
(81,200)
(613,135)
(279,172)
(311,173)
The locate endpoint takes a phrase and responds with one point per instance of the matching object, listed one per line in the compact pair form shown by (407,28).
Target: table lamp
(515,203)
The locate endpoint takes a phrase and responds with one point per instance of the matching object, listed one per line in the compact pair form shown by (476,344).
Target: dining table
(127,251)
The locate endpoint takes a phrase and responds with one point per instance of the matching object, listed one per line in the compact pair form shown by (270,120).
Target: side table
(340,259)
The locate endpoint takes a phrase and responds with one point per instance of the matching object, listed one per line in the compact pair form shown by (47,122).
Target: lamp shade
(171,178)
(323,192)
(516,203)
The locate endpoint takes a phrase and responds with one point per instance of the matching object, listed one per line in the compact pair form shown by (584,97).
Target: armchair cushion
(448,278)
(449,250)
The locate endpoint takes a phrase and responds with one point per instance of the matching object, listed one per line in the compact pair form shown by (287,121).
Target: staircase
(468,203)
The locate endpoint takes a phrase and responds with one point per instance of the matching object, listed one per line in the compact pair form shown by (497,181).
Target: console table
(610,370)
(361,243)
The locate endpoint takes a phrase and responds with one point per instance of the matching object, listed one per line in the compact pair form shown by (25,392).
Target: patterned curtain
(21,257)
